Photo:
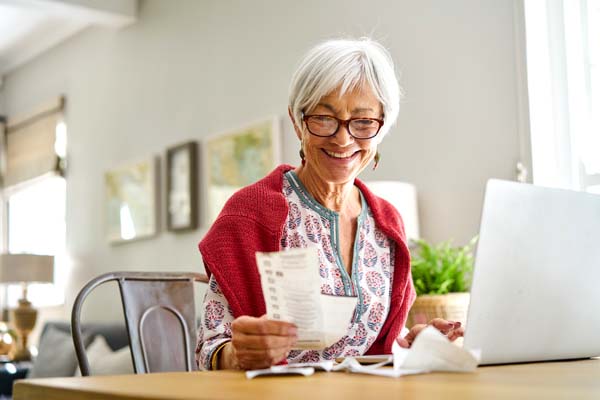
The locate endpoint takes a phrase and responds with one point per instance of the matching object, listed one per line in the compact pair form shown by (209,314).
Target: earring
(376,159)
(302,156)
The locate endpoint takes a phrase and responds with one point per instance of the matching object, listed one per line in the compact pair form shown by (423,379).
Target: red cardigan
(252,220)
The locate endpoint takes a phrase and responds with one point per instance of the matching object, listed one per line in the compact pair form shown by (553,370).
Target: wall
(188,69)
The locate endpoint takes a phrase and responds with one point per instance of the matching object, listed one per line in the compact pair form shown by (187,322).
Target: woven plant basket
(451,306)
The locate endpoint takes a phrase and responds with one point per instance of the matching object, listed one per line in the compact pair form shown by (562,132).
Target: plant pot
(451,306)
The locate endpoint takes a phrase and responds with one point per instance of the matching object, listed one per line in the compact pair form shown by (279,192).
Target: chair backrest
(160,316)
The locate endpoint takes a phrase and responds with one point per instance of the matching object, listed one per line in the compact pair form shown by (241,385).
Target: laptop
(535,294)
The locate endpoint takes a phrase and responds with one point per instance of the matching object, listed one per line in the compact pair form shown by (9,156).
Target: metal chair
(160,318)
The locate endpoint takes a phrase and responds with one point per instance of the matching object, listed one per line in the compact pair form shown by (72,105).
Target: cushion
(56,356)
(115,333)
(104,361)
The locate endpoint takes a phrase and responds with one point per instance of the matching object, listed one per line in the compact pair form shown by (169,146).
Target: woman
(344,98)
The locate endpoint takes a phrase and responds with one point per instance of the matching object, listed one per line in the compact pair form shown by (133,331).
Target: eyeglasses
(327,125)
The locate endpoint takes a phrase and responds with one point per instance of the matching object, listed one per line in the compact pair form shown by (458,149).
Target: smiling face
(339,159)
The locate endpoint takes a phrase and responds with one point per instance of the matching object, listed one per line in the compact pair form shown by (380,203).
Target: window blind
(29,144)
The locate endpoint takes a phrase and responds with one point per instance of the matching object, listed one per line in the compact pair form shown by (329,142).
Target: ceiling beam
(38,25)
(112,13)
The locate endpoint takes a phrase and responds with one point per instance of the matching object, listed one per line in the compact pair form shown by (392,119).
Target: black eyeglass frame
(342,122)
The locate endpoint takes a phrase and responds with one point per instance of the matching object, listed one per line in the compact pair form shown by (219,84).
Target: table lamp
(25,269)
(403,196)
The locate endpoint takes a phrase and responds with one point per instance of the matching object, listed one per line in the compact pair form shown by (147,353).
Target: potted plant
(442,277)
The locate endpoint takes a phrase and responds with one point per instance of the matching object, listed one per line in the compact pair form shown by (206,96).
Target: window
(592,156)
(33,199)
(563,68)
(36,225)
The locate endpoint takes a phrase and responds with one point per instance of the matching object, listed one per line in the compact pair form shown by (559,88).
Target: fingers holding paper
(258,342)
(452,329)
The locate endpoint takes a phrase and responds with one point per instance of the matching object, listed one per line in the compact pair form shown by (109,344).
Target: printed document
(292,290)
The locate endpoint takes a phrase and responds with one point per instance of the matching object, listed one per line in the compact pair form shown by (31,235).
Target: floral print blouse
(310,224)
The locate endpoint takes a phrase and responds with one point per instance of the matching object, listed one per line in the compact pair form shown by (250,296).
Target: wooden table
(557,380)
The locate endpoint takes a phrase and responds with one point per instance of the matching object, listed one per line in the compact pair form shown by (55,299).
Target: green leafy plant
(442,268)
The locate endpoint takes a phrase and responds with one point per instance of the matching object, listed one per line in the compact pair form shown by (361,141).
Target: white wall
(188,69)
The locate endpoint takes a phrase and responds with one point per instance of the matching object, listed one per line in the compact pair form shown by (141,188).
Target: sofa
(107,348)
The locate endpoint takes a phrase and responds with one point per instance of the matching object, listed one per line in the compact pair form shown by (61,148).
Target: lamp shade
(18,268)
(403,196)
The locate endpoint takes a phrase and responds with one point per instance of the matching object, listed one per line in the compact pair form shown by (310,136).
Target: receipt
(291,288)
(280,370)
(306,369)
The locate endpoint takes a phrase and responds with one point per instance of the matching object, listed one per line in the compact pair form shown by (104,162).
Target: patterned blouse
(310,224)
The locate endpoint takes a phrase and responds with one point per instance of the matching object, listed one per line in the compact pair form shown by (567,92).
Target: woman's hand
(451,329)
(257,343)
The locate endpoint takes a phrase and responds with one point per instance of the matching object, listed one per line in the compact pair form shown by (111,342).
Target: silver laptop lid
(536,285)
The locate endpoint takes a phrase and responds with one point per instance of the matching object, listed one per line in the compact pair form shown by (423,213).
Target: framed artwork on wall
(131,200)
(182,190)
(238,158)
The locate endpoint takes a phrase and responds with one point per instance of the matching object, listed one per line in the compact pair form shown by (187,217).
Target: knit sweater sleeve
(229,252)
(251,221)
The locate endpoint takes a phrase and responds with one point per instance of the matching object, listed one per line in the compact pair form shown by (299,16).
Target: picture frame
(182,188)
(131,200)
(237,158)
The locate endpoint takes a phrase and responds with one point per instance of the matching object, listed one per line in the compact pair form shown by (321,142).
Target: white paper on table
(292,291)
(350,364)
(432,351)
(326,365)
(280,370)
(305,369)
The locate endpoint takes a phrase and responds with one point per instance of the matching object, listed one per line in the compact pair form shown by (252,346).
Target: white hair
(345,64)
